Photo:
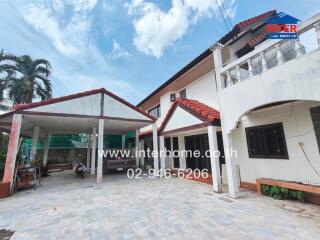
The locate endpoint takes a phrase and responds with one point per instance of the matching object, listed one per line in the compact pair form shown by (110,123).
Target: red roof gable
(200,110)
(255,19)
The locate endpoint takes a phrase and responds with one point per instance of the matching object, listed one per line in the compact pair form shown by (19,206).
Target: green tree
(27,78)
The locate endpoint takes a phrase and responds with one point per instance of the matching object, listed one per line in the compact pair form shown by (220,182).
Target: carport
(96,112)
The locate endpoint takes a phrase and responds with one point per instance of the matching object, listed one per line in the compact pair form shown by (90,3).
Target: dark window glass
(183,93)
(167,145)
(267,141)
(155,112)
(172,97)
(315,116)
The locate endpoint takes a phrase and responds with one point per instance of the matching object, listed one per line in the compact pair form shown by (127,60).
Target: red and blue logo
(282,26)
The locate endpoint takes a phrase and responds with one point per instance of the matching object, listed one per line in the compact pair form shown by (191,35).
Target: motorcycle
(79,168)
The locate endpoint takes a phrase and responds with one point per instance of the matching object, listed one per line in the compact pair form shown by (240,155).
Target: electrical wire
(224,19)
(292,112)
(226,13)
(305,154)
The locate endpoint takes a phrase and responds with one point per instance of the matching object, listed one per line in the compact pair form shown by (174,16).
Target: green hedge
(282,193)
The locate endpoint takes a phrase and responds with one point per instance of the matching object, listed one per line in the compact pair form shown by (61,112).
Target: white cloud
(78,63)
(69,39)
(156,30)
(118,51)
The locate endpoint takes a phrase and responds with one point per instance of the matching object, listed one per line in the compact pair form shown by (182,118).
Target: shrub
(282,193)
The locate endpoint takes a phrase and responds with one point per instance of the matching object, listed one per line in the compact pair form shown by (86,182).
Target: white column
(35,137)
(230,165)
(238,73)
(88,150)
(93,154)
(123,142)
(317,28)
(171,155)
(137,148)
(215,164)
(155,147)
(229,81)
(298,47)
(216,49)
(182,157)
(280,57)
(250,68)
(162,154)
(263,62)
(141,149)
(100,149)
(46,150)
(12,150)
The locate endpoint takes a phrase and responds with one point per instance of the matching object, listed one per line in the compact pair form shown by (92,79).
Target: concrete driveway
(66,207)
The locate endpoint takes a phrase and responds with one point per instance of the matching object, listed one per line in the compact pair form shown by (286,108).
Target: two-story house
(247,94)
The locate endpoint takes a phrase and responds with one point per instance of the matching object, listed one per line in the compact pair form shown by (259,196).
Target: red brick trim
(285,184)
(247,185)
(4,189)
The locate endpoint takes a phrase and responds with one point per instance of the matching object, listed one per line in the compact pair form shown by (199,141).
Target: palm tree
(27,79)
(4,73)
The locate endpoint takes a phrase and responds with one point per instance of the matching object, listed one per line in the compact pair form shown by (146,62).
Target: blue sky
(129,47)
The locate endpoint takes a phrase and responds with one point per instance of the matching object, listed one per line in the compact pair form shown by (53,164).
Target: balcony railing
(268,55)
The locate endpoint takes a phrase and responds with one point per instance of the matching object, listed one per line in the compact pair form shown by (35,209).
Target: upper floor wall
(277,70)
(203,90)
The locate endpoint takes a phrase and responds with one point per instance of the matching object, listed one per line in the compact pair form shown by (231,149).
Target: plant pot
(4,189)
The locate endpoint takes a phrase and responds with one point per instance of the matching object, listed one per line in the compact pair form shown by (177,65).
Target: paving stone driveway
(66,207)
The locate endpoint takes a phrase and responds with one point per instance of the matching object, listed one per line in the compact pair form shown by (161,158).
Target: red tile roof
(255,19)
(244,24)
(200,108)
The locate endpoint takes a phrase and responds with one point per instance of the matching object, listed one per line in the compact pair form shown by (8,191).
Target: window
(183,93)
(172,97)
(155,111)
(267,141)
(315,116)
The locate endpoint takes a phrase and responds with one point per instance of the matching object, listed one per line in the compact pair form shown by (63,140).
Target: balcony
(277,70)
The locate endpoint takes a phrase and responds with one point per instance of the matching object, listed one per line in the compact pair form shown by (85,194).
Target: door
(175,148)
(200,144)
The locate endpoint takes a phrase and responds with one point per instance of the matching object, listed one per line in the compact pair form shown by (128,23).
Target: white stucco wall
(298,127)
(181,118)
(88,105)
(297,79)
(203,90)
(114,108)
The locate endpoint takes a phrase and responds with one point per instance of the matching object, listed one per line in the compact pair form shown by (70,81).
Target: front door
(201,144)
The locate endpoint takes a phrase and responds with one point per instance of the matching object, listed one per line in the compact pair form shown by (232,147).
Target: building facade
(249,94)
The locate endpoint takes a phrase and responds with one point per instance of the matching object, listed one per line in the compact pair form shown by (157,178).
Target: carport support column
(162,154)
(88,151)
(46,150)
(214,158)
(230,165)
(35,137)
(93,148)
(100,149)
(123,142)
(182,156)
(155,148)
(12,149)
(137,148)
(141,152)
